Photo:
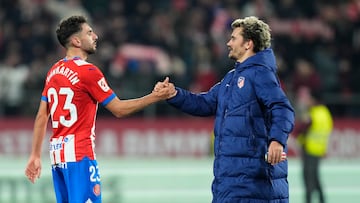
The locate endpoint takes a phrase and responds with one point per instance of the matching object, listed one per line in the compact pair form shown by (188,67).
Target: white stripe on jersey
(69,149)
(92,136)
(80,62)
(52,158)
(62,149)
(55,149)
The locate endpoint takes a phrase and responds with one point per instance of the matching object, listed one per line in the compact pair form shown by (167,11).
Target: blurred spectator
(65,8)
(305,75)
(345,78)
(260,8)
(205,78)
(287,9)
(325,61)
(314,125)
(283,72)
(12,77)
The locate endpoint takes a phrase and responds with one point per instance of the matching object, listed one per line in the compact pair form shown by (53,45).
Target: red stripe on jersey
(62,151)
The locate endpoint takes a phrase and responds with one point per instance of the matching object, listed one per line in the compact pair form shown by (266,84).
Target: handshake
(164,89)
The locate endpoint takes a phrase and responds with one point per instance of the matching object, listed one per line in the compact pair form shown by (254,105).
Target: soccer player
(253,117)
(73,88)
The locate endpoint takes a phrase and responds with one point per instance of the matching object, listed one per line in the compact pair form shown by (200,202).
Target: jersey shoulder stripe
(81,62)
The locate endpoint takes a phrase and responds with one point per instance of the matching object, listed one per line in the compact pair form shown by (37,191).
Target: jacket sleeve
(201,104)
(277,105)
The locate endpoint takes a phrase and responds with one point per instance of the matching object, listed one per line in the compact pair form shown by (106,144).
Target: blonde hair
(256,30)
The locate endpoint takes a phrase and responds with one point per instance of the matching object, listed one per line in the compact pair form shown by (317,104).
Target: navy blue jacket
(250,110)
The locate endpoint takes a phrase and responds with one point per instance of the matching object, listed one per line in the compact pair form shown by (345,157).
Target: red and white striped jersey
(73,89)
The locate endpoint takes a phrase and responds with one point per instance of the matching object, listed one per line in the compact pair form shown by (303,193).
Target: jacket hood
(264,58)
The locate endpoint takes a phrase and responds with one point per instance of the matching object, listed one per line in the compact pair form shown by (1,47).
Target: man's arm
(121,108)
(281,113)
(33,168)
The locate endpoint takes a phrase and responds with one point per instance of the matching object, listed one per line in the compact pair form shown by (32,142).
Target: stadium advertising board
(163,137)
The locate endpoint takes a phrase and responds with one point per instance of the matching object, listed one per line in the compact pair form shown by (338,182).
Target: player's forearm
(38,135)
(121,108)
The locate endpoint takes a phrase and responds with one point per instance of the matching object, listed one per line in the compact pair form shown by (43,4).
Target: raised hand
(165,89)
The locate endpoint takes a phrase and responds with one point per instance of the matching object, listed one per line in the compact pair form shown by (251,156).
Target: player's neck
(71,54)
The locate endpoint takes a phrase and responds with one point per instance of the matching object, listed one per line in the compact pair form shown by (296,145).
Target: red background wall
(164,137)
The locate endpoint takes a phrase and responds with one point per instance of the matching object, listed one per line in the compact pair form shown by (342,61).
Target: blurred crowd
(317,44)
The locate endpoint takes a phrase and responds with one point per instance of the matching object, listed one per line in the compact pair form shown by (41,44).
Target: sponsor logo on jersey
(103,85)
(62,149)
(56,144)
(241,81)
(59,165)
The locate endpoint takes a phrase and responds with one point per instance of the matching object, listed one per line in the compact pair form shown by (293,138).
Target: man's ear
(75,41)
(249,45)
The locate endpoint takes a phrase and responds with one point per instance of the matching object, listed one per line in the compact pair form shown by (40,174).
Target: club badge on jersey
(103,84)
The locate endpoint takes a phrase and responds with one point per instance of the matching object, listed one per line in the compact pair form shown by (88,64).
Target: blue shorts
(77,182)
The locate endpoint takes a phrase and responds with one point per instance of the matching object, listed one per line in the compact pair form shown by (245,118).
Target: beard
(90,51)
(231,56)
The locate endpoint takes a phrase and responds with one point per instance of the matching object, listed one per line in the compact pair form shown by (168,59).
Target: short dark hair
(68,27)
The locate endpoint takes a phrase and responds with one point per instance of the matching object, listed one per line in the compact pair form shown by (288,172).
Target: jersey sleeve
(96,84)
(44,96)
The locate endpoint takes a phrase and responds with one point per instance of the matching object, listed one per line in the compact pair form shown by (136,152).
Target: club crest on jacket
(241,81)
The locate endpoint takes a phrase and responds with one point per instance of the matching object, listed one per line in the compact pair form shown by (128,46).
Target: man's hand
(165,89)
(33,169)
(275,153)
